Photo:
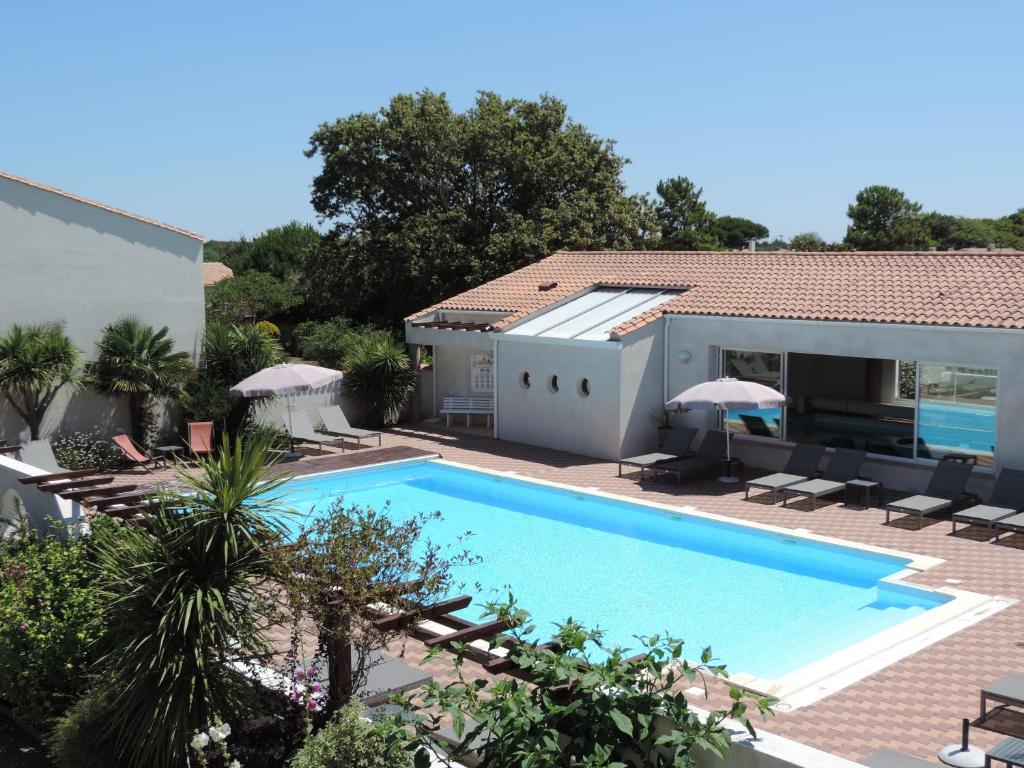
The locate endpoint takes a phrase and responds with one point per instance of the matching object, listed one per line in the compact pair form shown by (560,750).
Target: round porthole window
(524,380)
(584,387)
(553,383)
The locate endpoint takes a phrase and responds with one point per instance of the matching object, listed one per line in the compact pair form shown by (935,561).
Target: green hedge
(48,619)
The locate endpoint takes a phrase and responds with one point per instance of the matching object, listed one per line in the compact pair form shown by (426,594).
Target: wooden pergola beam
(475,632)
(37,479)
(405,618)
(84,493)
(67,485)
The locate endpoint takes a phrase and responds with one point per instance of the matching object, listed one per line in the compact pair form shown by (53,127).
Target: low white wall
(42,509)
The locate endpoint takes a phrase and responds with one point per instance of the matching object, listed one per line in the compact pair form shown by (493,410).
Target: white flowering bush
(215,740)
(86,450)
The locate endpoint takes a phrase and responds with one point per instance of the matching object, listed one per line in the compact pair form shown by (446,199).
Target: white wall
(1001,349)
(643,386)
(563,420)
(61,259)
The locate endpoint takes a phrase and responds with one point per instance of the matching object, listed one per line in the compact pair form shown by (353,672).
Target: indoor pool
(766,603)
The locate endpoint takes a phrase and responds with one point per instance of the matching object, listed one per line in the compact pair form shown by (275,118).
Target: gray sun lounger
(335,423)
(844,466)
(709,454)
(887,758)
(301,430)
(385,676)
(946,486)
(802,465)
(1011,524)
(1007,499)
(677,446)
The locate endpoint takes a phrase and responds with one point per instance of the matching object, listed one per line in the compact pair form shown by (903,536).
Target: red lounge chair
(133,452)
(200,437)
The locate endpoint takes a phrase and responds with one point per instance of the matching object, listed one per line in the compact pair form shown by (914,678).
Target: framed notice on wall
(481,373)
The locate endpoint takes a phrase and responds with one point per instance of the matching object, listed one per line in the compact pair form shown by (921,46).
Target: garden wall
(42,509)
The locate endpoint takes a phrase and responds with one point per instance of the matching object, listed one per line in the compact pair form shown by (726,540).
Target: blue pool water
(766,603)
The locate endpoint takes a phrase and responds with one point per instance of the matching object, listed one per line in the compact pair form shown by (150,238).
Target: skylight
(593,315)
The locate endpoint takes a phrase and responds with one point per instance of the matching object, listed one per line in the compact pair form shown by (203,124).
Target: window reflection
(763,368)
(956,412)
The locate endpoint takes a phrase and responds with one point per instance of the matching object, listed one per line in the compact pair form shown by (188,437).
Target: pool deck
(914,705)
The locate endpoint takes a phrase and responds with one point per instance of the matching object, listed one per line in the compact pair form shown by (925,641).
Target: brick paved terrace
(914,705)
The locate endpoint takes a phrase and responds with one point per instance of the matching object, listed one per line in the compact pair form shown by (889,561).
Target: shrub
(587,704)
(86,450)
(48,609)
(379,376)
(78,739)
(326,342)
(351,740)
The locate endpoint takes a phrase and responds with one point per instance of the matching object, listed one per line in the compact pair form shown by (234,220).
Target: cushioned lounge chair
(887,758)
(677,446)
(335,423)
(1011,524)
(301,431)
(709,454)
(200,438)
(385,677)
(844,466)
(756,425)
(134,453)
(946,487)
(801,466)
(1007,499)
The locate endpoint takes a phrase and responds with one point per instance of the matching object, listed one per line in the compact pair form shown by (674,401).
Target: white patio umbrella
(724,395)
(286,379)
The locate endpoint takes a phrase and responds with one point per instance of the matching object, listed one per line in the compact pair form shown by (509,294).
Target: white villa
(911,356)
(64,257)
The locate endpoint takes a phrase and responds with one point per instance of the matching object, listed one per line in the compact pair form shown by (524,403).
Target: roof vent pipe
(990,247)
(752,244)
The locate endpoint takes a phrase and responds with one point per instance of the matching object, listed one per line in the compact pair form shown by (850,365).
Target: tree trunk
(137,415)
(338,646)
(415,357)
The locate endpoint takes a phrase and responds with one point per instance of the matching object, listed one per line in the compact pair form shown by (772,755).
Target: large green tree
(252,296)
(883,219)
(35,362)
(683,219)
(735,231)
(424,201)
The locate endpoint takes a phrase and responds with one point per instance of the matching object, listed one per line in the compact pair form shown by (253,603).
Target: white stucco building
(910,356)
(64,257)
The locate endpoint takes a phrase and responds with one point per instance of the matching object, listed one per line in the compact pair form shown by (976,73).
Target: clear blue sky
(198,113)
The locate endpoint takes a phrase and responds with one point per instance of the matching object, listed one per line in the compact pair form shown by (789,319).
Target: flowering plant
(86,450)
(214,739)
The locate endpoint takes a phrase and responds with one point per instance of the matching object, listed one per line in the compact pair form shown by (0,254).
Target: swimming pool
(768,603)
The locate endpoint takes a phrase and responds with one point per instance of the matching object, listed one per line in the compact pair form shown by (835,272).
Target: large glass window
(851,402)
(956,411)
(764,368)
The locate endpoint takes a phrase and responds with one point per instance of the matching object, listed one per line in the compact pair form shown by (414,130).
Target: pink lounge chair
(200,438)
(133,452)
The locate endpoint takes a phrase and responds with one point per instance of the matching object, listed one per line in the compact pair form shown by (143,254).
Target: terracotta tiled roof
(214,272)
(104,206)
(983,289)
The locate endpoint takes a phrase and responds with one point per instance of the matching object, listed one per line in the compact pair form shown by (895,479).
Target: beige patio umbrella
(723,395)
(285,379)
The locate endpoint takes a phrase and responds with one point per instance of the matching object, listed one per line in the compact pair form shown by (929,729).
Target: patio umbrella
(286,379)
(724,395)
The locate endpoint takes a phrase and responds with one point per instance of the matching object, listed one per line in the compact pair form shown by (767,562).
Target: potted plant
(663,420)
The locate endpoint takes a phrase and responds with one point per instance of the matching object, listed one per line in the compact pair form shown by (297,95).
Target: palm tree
(379,375)
(135,360)
(35,362)
(186,596)
(232,353)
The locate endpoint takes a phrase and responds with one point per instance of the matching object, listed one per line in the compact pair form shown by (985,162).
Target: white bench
(468,406)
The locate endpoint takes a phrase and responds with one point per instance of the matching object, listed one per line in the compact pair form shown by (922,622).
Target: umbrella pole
(728,478)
